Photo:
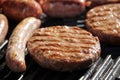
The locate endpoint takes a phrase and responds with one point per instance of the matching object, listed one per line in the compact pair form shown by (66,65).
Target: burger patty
(64,48)
(104,22)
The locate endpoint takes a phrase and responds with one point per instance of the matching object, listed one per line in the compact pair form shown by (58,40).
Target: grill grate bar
(21,77)
(2,53)
(115,71)
(102,68)
(106,69)
(91,71)
(80,23)
(4,43)
(82,78)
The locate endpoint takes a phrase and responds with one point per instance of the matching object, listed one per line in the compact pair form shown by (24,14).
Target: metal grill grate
(107,67)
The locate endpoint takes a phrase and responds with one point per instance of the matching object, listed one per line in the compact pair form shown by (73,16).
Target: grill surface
(106,67)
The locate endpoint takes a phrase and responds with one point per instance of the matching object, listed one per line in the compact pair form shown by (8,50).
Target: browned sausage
(3,27)
(20,9)
(15,56)
(40,1)
(63,8)
(93,3)
(1,1)
(0,4)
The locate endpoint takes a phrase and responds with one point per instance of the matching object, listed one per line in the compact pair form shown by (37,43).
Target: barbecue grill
(107,67)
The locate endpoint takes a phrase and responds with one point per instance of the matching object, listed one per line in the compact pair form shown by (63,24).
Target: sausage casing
(63,8)
(15,56)
(93,3)
(20,9)
(3,27)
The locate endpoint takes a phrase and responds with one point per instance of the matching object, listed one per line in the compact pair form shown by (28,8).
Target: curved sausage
(3,27)
(20,9)
(15,56)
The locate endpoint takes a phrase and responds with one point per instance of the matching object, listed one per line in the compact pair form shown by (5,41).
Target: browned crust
(3,27)
(63,8)
(77,1)
(103,21)
(66,53)
(20,9)
(93,3)
(15,54)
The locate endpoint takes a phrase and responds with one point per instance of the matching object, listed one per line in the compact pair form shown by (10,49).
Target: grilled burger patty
(104,22)
(64,48)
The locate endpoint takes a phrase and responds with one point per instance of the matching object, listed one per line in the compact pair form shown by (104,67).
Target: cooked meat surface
(20,9)
(63,8)
(93,3)
(64,48)
(104,22)
(3,27)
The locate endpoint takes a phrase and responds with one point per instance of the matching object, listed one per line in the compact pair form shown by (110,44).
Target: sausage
(15,55)
(20,9)
(40,1)
(0,3)
(63,8)
(93,3)
(3,27)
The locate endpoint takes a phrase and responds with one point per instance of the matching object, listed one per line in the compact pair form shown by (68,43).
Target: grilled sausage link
(20,9)
(3,27)
(62,8)
(93,3)
(15,56)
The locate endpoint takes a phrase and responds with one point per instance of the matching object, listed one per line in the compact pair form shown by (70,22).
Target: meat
(104,22)
(40,1)
(93,3)
(63,8)
(1,1)
(15,56)
(63,48)
(3,27)
(20,9)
